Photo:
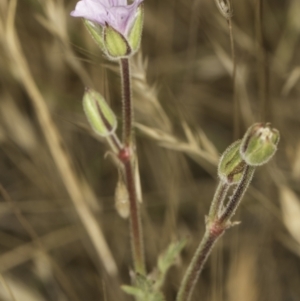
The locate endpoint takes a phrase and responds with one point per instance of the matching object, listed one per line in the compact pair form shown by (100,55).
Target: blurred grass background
(53,169)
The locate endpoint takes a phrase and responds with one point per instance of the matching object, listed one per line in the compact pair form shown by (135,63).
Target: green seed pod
(259,144)
(100,116)
(231,164)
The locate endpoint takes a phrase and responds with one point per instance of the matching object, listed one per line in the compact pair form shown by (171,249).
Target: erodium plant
(116,27)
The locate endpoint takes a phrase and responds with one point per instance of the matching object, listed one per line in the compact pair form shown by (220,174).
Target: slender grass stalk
(215,228)
(127,102)
(226,10)
(262,66)
(127,157)
(236,105)
(7,287)
(55,143)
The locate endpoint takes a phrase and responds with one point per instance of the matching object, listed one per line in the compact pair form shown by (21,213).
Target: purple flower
(116,13)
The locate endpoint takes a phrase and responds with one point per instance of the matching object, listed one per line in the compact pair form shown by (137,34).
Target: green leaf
(133,291)
(143,295)
(167,259)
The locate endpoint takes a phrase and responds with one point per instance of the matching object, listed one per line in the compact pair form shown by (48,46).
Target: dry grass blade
(291,81)
(55,145)
(242,277)
(206,159)
(20,292)
(7,287)
(183,92)
(26,252)
(290,205)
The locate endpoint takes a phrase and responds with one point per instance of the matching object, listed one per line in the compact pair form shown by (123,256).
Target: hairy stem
(218,200)
(237,196)
(127,156)
(215,227)
(212,234)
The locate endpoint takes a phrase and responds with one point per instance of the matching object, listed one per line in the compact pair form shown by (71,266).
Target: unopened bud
(231,164)
(259,144)
(122,199)
(100,116)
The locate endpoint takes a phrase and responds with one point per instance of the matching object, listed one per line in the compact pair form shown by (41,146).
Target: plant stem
(135,221)
(212,234)
(215,227)
(218,200)
(237,196)
(127,102)
(127,157)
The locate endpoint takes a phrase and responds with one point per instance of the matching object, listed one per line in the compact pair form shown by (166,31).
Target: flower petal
(116,13)
(92,10)
(118,2)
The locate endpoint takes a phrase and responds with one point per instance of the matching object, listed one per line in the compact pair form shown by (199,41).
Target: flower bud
(259,144)
(231,164)
(100,116)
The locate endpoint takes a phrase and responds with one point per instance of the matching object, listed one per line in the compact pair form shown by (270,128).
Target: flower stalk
(216,225)
(236,167)
(135,221)
(192,274)
(127,158)
(116,27)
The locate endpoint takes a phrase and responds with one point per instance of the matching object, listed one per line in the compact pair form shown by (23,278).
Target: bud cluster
(257,147)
